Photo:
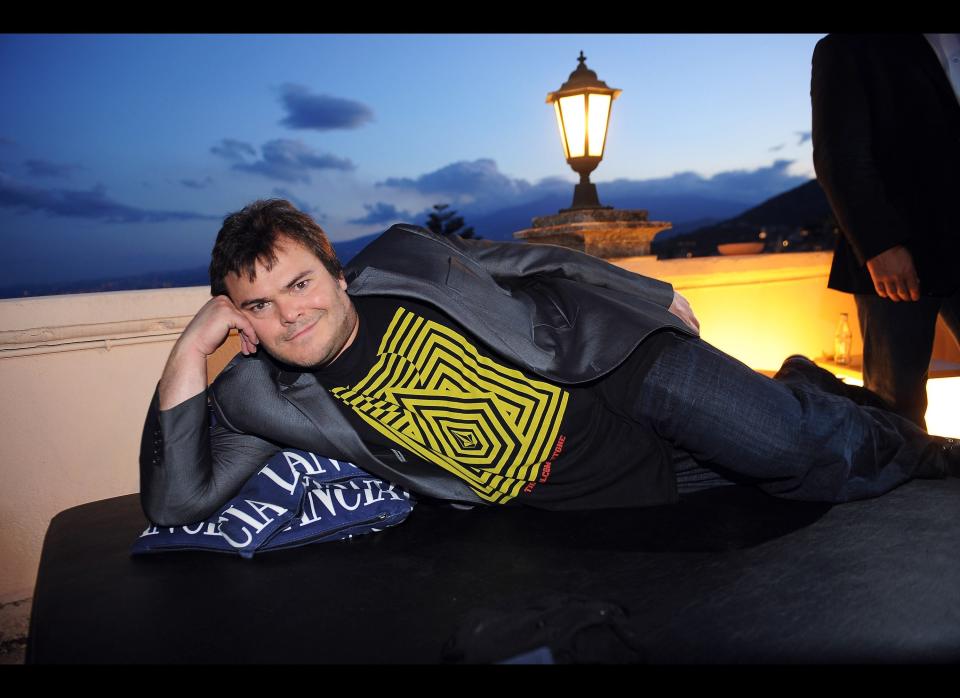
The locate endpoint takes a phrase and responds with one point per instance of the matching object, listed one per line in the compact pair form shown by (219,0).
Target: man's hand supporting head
(185,374)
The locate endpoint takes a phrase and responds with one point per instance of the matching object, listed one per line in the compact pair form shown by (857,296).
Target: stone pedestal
(603,232)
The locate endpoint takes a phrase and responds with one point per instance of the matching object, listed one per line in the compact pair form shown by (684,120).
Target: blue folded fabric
(296,498)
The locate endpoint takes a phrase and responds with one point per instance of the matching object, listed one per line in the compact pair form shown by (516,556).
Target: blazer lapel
(335,437)
(919,49)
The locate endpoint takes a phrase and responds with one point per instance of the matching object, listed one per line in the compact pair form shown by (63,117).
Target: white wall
(76,376)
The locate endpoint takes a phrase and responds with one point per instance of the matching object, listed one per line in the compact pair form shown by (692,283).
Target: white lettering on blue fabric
(381,491)
(290,487)
(339,496)
(310,514)
(294,460)
(259,507)
(325,496)
(235,544)
(310,469)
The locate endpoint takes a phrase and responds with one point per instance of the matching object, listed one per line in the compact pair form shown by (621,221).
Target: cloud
(321,112)
(7,141)
(93,204)
(381,212)
(234,150)
(804,136)
(291,161)
(733,185)
(478,188)
(45,168)
(299,203)
(194,184)
(777,147)
(465,182)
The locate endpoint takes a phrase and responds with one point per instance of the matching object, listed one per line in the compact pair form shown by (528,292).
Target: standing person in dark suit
(886,148)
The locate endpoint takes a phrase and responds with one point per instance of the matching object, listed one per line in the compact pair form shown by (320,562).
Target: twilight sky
(121,154)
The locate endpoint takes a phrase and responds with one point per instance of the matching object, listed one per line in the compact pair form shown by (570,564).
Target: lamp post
(582,105)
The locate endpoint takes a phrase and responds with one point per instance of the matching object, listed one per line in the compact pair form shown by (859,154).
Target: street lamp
(582,105)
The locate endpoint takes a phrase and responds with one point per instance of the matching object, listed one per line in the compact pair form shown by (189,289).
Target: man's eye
(258,307)
(302,284)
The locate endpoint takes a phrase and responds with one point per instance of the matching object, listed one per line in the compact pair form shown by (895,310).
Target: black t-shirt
(417,381)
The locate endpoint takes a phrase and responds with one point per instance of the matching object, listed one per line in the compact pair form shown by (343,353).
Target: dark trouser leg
(790,437)
(897,343)
(950,312)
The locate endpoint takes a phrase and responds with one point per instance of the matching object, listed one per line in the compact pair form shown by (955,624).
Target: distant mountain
(686,227)
(797,220)
(197,276)
(687,212)
(684,211)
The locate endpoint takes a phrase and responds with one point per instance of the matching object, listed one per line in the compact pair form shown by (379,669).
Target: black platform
(726,576)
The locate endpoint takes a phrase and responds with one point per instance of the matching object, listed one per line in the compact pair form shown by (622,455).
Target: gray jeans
(796,436)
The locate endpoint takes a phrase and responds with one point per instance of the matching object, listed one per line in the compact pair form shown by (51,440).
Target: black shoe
(940,459)
(799,367)
(828,382)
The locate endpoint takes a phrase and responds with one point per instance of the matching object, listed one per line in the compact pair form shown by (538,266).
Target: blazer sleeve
(510,260)
(843,147)
(191,464)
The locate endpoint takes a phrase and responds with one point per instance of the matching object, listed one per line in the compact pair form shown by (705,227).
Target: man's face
(302,315)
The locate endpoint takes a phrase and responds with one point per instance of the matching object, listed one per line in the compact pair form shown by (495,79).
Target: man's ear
(342,281)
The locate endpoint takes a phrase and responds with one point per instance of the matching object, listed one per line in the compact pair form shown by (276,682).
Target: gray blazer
(564,315)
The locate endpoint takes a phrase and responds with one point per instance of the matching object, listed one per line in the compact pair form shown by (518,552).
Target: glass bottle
(842,341)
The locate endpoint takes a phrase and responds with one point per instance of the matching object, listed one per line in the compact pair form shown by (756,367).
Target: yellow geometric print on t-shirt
(433,393)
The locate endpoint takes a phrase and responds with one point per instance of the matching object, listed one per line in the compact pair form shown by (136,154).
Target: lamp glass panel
(563,138)
(597,124)
(573,109)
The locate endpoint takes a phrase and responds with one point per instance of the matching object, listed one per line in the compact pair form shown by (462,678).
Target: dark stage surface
(726,576)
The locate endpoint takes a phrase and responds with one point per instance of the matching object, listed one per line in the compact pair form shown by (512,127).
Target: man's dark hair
(250,235)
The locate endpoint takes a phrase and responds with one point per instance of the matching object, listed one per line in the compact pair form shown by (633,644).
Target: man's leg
(950,312)
(897,343)
(789,436)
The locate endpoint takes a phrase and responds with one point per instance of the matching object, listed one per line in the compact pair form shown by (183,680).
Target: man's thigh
(792,437)
(711,406)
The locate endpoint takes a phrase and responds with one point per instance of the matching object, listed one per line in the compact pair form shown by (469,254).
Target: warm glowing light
(563,139)
(943,405)
(574,112)
(597,112)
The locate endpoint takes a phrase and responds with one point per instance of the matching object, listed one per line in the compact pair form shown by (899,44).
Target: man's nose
(290,310)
